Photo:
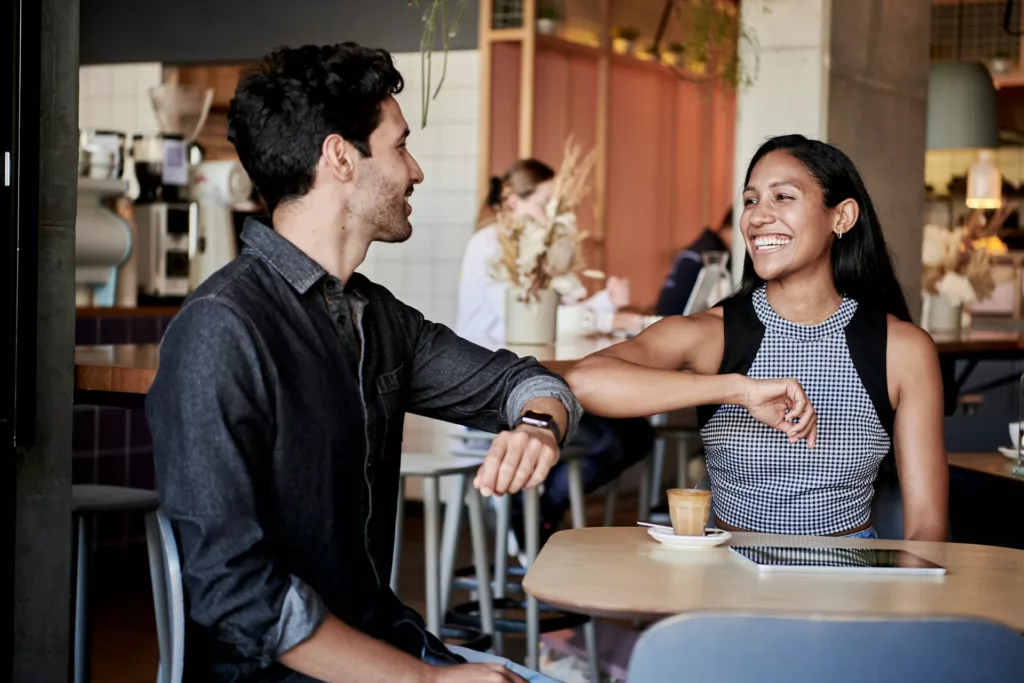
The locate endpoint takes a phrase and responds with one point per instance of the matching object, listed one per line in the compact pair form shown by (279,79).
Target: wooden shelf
(569,47)
(1013,79)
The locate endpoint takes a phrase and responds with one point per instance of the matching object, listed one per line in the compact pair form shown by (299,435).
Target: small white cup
(575,321)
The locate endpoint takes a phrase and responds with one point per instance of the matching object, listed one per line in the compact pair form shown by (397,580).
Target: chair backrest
(739,648)
(171,613)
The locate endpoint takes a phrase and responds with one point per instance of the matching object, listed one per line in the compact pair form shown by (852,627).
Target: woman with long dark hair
(809,375)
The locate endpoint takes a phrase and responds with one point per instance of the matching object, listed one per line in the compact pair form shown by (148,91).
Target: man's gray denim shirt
(277,415)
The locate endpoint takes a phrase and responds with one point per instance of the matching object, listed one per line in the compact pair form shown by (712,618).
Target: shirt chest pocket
(390,401)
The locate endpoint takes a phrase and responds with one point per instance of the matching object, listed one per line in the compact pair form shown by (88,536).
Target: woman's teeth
(770,243)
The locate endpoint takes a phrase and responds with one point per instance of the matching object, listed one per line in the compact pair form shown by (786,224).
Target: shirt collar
(289,261)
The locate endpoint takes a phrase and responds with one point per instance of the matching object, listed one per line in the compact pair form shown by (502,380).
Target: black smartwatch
(542,420)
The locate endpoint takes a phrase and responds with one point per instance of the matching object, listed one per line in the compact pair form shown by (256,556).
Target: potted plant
(625,39)
(956,270)
(548,19)
(540,258)
(674,54)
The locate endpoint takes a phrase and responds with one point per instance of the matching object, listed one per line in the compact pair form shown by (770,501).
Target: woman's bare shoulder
(907,338)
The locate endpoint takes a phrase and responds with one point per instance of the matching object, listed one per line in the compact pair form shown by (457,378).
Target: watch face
(537,419)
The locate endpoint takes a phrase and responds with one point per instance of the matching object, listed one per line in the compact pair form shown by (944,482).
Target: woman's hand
(618,291)
(782,404)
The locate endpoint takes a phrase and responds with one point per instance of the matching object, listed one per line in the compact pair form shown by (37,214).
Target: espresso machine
(166,217)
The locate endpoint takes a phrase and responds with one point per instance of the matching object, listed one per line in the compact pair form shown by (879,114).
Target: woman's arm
(913,365)
(643,377)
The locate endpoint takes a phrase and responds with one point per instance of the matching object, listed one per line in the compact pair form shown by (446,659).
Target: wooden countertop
(993,464)
(979,342)
(622,572)
(120,368)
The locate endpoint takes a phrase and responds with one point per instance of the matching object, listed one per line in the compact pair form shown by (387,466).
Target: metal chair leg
(83,634)
(396,555)
(450,535)
(431,533)
(611,496)
(478,532)
(576,497)
(532,523)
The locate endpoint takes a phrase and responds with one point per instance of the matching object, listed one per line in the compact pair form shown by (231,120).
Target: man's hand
(517,459)
(474,673)
(783,405)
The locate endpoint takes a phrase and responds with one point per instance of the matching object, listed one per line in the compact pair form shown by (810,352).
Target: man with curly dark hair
(278,406)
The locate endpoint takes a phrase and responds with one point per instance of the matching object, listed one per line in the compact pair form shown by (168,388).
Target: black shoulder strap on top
(866,338)
(744,333)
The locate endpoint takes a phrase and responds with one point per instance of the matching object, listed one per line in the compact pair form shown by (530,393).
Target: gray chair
(87,502)
(168,596)
(740,648)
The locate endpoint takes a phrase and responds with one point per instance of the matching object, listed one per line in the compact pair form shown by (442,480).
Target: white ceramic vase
(940,315)
(530,321)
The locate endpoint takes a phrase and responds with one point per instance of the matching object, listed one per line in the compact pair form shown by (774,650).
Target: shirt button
(330,284)
(340,319)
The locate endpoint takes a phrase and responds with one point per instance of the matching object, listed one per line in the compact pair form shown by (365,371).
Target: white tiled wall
(116,97)
(424,272)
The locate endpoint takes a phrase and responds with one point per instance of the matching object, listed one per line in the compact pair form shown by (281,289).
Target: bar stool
(555,620)
(87,501)
(683,436)
(431,468)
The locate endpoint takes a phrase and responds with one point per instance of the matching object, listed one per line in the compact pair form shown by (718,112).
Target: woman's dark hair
(521,179)
(861,266)
(280,115)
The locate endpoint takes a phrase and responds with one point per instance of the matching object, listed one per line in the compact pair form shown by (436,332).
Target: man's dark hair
(280,115)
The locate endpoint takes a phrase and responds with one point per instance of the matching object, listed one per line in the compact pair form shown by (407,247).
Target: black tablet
(857,560)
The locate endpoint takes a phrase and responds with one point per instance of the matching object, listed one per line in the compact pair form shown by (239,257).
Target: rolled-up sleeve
(211,417)
(458,381)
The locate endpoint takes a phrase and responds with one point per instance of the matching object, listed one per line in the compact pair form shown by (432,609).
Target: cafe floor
(124,631)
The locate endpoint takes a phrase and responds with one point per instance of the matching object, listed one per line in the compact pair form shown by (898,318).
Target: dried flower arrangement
(546,254)
(957,262)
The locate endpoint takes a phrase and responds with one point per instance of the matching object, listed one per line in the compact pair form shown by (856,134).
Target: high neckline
(773,322)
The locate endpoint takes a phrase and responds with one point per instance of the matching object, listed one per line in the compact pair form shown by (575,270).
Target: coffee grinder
(167,220)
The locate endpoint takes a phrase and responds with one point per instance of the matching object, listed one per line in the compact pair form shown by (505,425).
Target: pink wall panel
(504,106)
(690,138)
(723,138)
(636,180)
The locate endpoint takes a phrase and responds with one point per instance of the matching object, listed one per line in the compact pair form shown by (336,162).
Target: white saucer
(713,538)
(1009,452)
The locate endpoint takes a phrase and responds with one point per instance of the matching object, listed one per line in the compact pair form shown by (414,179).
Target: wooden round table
(622,572)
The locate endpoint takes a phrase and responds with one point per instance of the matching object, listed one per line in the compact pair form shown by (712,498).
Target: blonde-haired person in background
(612,444)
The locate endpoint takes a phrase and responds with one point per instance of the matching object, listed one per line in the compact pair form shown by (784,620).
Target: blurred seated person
(524,191)
(612,444)
(681,281)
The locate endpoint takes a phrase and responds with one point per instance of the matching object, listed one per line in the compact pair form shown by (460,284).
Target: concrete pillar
(42,473)
(854,74)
